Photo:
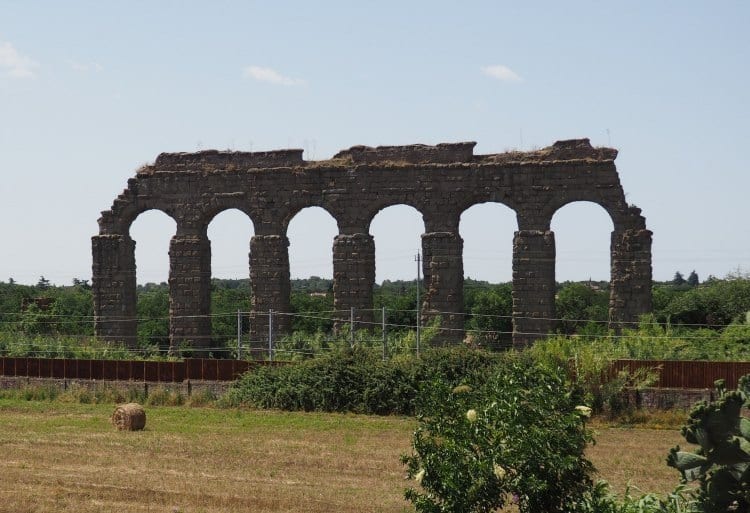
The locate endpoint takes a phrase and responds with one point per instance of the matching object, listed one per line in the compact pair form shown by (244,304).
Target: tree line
(582,307)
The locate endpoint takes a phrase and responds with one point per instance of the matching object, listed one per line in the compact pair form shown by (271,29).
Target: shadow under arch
(583,234)
(487,230)
(151,231)
(229,232)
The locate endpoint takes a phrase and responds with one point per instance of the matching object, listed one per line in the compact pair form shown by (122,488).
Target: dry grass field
(57,457)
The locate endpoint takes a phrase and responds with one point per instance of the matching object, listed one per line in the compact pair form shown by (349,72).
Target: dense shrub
(715,303)
(355,380)
(600,499)
(514,434)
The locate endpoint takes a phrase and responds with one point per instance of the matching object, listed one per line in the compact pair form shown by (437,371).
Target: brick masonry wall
(354,275)
(440,181)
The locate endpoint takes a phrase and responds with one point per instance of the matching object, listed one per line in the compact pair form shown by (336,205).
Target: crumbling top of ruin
(408,155)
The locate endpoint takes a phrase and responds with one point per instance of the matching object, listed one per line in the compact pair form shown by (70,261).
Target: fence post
(351,327)
(239,335)
(385,342)
(418,259)
(270,334)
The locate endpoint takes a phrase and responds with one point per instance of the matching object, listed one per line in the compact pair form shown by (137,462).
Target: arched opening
(311,232)
(152,231)
(487,231)
(230,232)
(583,232)
(397,231)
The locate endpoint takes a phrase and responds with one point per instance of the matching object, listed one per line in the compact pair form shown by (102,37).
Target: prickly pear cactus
(721,463)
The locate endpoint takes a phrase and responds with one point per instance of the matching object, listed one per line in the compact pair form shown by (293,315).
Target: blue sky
(89,91)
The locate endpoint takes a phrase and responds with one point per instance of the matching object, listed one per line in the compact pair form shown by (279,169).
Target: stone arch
(585,260)
(612,203)
(311,234)
(487,230)
(483,217)
(228,232)
(292,213)
(114,276)
(597,223)
(152,231)
(142,223)
(131,211)
(321,216)
(403,216)
(214,209)
(376,208)
(438,181)
(214,235)
(397,231)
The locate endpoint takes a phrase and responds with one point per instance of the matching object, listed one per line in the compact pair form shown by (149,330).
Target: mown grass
(67,457)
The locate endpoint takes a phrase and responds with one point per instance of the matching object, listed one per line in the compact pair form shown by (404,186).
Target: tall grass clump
(301,345)
(20,345)
(588,366)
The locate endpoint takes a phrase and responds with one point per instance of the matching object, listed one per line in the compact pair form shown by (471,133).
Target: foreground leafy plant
(514,436)
(601,500)
(721,463)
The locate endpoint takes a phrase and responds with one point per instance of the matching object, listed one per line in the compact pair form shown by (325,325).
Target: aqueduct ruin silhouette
(440,181)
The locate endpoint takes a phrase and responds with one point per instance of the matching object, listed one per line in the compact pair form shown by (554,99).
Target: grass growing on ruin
(66,457)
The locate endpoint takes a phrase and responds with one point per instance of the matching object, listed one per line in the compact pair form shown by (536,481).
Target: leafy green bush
(601,500)
(714,303)
(582,308)
(355,380)
(513,435)
(489,316)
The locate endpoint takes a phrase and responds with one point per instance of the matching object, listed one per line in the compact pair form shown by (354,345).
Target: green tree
(400,302)
(515,434)
(313,312)
(678,279)
(693,280)
(490,316)
(43,283)
(12,296)
(72,310)
(716,303)
(153,319)
(225,301)
(581,306)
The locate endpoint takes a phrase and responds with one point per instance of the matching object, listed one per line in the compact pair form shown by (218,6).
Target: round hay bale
(129,417)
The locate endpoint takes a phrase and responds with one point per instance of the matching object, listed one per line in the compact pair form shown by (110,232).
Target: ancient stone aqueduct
(439,181)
